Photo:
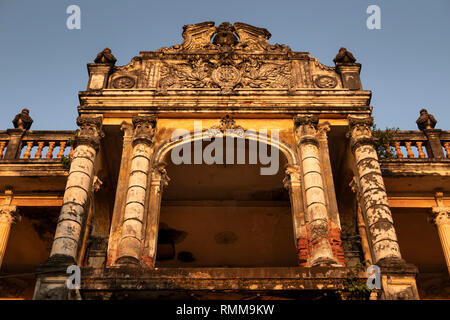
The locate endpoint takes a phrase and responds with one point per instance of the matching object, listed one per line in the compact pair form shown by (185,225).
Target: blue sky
(406,64)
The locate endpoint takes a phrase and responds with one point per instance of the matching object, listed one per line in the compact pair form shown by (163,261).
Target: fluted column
(373,197)
(8,215)
(131,241)
(440,217)
(159,180)
(292,182)
(79,183)
(316,209)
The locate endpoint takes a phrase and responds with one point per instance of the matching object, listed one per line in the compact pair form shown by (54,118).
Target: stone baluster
(409,150)
(419,148)
(2,148)
(398,150)
(71,152)
(440,217)
(27,153)
(62,147)
(76,195)
(292,182)
(373,192)
(131,241)
(8,215)
(51,146)
(316,209)
(447,149)
(38,153)
(159,180)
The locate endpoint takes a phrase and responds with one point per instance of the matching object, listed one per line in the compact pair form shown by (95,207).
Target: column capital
(127,129)
(305,128)
(362,123)
(360,132)
(440,215)
(301,120)
(90,131)
(8,214)
(292,177)
(323,129)
(144,128)
(159,175)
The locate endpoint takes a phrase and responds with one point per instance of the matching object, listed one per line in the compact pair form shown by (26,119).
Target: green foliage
(66,162)
(354,287)
(73,139)
(384,142)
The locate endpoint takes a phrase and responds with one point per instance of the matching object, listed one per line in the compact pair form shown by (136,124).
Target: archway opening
(226,215)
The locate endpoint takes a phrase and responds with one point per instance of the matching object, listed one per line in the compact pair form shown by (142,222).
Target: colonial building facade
(225,167)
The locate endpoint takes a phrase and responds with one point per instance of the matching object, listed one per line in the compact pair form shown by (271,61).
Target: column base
(324,262)
(128,261)
(51,278)
(58,260)
(398,279)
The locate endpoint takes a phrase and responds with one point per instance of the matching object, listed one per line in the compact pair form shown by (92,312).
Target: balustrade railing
(37,145)
(416,145)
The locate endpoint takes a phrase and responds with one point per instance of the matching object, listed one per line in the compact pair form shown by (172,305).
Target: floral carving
(248,73)
(124,82)
(325,82)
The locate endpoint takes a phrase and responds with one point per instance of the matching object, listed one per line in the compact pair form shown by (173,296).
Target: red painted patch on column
(334,236)
(302,251)
(147,261)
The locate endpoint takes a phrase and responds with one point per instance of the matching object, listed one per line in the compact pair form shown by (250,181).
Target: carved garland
(203,73)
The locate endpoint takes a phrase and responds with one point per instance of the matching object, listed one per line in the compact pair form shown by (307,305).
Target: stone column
(316,209)
(440,216)
(362,229)
(79,183)
(131,241)
(292,182)
(159,180)
(8,215)
(373,197)
(330,193)
(120,199)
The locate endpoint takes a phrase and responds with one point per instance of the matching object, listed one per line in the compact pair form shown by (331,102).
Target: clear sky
(43,64)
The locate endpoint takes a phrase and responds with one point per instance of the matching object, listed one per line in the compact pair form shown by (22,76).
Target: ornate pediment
(226,58)
(240,36)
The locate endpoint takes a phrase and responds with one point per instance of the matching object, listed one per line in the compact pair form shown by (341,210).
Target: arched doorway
(226,215)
